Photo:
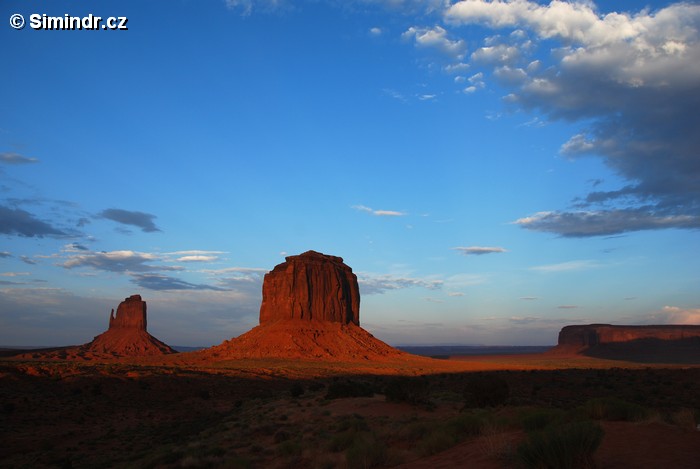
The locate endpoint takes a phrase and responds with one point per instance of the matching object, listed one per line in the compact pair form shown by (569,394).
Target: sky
(491,170)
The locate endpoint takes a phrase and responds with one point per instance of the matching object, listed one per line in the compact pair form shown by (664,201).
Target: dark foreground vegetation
(65,415)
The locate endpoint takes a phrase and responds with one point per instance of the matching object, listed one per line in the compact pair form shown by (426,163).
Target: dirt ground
(276,413)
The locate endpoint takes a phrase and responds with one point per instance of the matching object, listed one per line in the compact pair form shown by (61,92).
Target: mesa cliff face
(646,344)
(599,334)
(310,309)
(311,286)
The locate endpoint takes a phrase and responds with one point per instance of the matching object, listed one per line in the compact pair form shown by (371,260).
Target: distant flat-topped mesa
(597,334)
(311,286)
(645,344)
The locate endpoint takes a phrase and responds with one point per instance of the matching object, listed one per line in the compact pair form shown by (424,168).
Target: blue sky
(492,171)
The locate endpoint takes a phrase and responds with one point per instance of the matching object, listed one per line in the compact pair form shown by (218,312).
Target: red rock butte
(127,335)
(311,286)
(310,309)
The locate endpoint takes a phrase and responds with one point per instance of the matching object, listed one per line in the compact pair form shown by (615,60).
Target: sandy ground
(182,411)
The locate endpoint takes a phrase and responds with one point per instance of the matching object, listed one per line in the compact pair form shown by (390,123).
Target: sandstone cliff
(127,335)
(652,344)
(310,310)
(311,286)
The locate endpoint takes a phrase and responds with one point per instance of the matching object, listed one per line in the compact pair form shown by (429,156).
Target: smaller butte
(127,335)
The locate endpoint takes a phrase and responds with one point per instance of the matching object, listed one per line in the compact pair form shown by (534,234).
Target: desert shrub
(366,451)
(464,425)
(296,390)
(341,389)
(290,448)
(414,391)
(539,419)
(567,446)
(450,432)
(348,430)
(436,441)
(612,408)
(483,390)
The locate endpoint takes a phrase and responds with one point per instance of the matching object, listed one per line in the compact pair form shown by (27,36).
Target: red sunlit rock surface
(127,334)
(645,344)
(311,286)
(597,334)
(310,309)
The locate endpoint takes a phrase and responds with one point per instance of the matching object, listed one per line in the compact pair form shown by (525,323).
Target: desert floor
(475,411)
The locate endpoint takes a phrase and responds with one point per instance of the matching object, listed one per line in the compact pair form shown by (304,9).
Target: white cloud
(676,315)
(197,258)
(567,266)
(375,31)
(16,158)
(631,78)
(437,38)
(379,213)
(381,283)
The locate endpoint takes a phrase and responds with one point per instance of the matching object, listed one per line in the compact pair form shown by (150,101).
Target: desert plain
(309,388)
(412,412)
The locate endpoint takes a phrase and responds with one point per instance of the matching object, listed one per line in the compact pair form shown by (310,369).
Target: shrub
(340,389)
(612,408)
(447,434)
(366,451)
(539,419)
(414,391)
(485,391)
(296,390)
(567,446)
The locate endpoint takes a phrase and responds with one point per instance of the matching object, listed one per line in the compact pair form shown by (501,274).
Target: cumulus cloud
(633,80)
(15,221)
(676,315)
(479,250)
(126,217)
(4,254)
(15,158)
(379,213)
(436,37)
(371,284)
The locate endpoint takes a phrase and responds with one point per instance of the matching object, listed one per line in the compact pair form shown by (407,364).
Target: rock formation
(127,335)
(654,343)
(131,313)
(310,309)
(311,286)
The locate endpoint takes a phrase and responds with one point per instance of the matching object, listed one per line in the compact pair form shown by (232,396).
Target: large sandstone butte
(127,335)
(653,343)
(311,286)
(310,309)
